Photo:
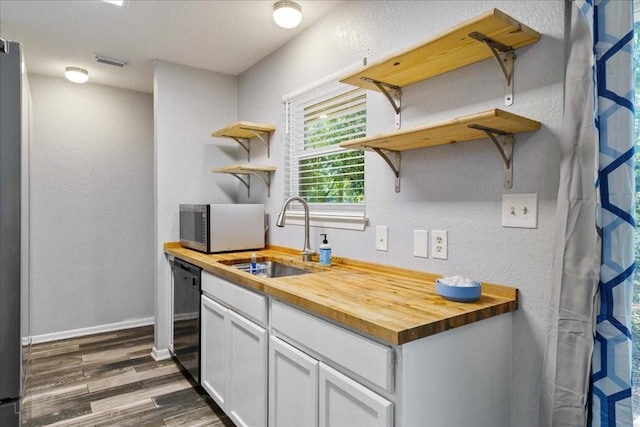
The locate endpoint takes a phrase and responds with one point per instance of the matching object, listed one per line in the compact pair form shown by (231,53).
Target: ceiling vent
(109,61)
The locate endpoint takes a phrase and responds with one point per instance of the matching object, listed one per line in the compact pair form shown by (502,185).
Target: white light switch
(520,210)
(381,237)
(421,243)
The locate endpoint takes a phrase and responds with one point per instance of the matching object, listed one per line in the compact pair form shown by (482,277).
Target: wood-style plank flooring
(110,379)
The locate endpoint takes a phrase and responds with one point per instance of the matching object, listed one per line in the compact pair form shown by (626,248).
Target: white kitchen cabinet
(293,386)
(247,345)
(213,341)
(344,402)
(336,400)
(314,372)
(234,360)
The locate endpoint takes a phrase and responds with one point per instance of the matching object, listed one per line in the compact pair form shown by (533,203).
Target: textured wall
(189,104)
(91,205)
(455,187)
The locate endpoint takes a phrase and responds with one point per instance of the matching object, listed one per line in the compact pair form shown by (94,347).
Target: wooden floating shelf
(243,174)
(493,33)
(487,124)
(446,132)
(244,169)
(242,132)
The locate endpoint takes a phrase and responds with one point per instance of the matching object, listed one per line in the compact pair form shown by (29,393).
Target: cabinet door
(214,349)
(293,386)
(344,402)
(247,346)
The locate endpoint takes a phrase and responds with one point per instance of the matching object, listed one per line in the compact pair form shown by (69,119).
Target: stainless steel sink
(271,269)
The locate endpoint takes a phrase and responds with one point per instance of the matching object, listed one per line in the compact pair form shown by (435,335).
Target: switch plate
(520,210)
(382,234)
(439,246)
(421,243)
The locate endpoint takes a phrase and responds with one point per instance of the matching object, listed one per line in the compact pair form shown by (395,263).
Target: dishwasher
(186,316)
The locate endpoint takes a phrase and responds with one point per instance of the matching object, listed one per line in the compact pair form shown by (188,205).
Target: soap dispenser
(325,251)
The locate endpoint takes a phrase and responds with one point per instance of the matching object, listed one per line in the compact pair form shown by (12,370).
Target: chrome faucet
(306,251)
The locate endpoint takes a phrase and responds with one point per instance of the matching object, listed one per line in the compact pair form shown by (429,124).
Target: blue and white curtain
(587,367)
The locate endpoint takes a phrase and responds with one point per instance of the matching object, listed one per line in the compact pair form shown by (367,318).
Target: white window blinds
(317,169)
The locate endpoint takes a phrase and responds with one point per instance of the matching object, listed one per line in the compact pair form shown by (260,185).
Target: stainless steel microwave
(222,227)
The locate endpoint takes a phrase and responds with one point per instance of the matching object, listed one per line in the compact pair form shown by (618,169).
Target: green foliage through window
(320,171)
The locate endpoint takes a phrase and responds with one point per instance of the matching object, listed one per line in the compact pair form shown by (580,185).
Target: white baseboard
(127,324)
(159,355)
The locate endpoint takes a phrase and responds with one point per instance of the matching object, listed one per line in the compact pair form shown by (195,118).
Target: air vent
(109,61)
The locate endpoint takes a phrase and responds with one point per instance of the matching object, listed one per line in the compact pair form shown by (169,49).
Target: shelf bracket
(246,182)
(505,150)
(259,136)
(244,143)
(266,178)
(506,61)
(392,93)
(394,163)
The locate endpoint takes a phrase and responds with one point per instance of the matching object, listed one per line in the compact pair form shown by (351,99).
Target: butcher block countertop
(392,304)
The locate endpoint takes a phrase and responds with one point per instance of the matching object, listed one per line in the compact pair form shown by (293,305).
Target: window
(328,177)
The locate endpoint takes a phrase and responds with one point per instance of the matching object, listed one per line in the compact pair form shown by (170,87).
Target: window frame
(350,216)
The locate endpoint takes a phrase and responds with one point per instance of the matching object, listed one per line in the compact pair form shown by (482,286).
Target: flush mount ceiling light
(287,14)
(76,74)
(119,3)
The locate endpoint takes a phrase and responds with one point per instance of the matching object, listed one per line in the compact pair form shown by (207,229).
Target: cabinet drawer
(237,298)
(356,353)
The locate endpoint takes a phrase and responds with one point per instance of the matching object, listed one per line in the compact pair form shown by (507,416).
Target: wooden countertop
(393,304)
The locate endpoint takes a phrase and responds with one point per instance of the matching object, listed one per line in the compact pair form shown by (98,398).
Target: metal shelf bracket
(505,149)
(392,93)
(506,61)
(260,137)
(244,143)
(246,182)
(394,163)
(266,178)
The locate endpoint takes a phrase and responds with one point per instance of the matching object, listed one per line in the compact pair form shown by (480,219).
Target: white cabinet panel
(247,346)
(358,354)
(293,386)
(345,403)
(214,344)
(244,301)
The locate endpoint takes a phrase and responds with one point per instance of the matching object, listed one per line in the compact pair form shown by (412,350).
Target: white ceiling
(223,36)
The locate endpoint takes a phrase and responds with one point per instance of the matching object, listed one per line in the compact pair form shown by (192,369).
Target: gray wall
(189,104)
(455,187)
(91,206)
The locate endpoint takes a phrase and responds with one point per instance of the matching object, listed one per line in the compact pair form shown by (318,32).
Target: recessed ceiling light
(287,14)
(76,74)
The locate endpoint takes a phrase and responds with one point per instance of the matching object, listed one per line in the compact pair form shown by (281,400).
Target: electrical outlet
(421,243)
(439,245)
(382,233)
(520,210)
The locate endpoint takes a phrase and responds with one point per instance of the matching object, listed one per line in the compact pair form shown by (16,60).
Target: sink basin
(271,269)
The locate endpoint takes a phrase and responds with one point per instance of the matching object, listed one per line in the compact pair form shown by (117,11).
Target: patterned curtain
(612,25)
(587,367)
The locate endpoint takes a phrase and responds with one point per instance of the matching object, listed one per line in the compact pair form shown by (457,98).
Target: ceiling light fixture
(76,74)
(287,14)
(119,3)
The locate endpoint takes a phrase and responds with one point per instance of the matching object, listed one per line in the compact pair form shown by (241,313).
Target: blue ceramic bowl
(459,293)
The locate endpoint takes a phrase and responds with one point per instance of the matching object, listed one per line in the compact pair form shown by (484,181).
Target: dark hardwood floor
(110,379)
